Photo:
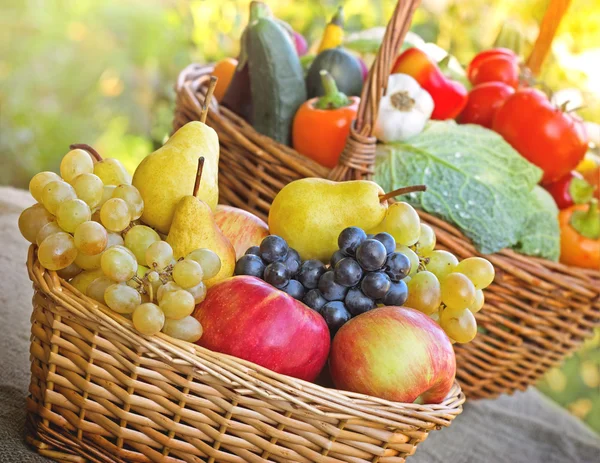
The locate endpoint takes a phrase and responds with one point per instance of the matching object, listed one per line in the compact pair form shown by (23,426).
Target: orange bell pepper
(321,125)
(580,235)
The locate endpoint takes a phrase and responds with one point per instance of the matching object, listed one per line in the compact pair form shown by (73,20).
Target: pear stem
(198,175)
(92,152)
(402,191)
(207,98)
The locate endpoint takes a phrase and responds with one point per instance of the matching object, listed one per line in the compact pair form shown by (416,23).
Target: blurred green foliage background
(102,72)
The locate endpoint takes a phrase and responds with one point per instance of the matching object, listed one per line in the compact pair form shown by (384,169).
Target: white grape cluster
(447,290)
(87,229)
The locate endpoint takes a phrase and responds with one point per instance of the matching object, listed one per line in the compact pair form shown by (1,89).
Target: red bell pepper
(449,96)
(570,189)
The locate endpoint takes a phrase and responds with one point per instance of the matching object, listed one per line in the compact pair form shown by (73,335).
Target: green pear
(311,213)
(194,227)
(164,177)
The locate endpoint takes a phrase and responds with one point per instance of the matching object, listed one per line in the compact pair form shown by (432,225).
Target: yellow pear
(164,177)
(311,213)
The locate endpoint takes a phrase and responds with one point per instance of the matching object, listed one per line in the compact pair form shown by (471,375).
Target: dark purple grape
(295,289)
(371,255)
(387,240)
(276,274)
(396,295)
(310,272)
(375,285)
(314,299)
(292,262)
(273,249)
(335,315)
(357,303)
(330,289)
(397,266)
(254,250)
(336,257)
(347,272)
(250,264)
(350,239)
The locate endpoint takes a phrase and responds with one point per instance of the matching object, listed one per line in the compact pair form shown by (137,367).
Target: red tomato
(553,140)
(495,65)
(484,100)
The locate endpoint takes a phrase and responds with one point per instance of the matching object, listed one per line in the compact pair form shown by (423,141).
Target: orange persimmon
(224,71)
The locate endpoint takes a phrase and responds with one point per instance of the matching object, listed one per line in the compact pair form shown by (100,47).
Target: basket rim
(239,373)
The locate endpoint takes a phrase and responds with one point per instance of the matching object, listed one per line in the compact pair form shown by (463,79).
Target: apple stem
(91,151)
(402,191)
(207,98)
(198,174)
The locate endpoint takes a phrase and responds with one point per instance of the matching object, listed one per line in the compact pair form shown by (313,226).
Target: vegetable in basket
(570,189)
(333,36)
(321,125)
(449,96)
(580,235)
(403,111)
(343,67)
(483,103)
(494,65)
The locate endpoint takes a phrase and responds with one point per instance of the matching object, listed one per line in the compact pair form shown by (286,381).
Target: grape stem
(91,151)
(209,93)
(402,191)
(198,175)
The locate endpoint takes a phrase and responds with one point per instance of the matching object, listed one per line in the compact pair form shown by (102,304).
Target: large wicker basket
(101,392)
(536,312)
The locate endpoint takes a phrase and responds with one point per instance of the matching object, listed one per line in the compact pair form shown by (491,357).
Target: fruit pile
(86,226)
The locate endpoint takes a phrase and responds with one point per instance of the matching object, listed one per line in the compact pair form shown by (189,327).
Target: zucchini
(343,67)
(276,77)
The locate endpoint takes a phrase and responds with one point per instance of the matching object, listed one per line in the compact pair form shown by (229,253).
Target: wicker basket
(536,312)
(101,392)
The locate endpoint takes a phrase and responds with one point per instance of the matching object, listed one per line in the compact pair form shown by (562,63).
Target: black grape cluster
(363,272)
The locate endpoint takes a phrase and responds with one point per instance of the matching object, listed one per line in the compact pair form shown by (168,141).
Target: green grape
(47,230)
(122,298)
(114,215)
(32,220)
(177,304)
(107,192)
(93,262)
(441,263)
(69,272)
(74,163)
(118,264)
(159,255)
(137,240)
(435,316)
(148,319)
(132,197)
(458,291)
(412,257)
(164,289)
(424,293)
(72,213)
(187,329)
(89,188)
(402,222)
(91,238)
(112,172)
(198,291)
(114,239)
(57,251)
(208,260)
(427,240)
(459,324)
(97,288)
(187,273)
(479,270)
(479,301)
(38,183)
(55,193)
(83,280)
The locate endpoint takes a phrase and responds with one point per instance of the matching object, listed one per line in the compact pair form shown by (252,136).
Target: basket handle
(358,158)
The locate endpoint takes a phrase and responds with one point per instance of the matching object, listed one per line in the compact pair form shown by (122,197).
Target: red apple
(393,353)
(250,319)
(242,228)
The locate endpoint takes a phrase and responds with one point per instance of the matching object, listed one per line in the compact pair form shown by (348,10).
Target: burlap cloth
(526,427)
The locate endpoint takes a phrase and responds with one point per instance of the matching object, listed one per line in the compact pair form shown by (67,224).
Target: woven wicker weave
(100,392)
(536,312)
